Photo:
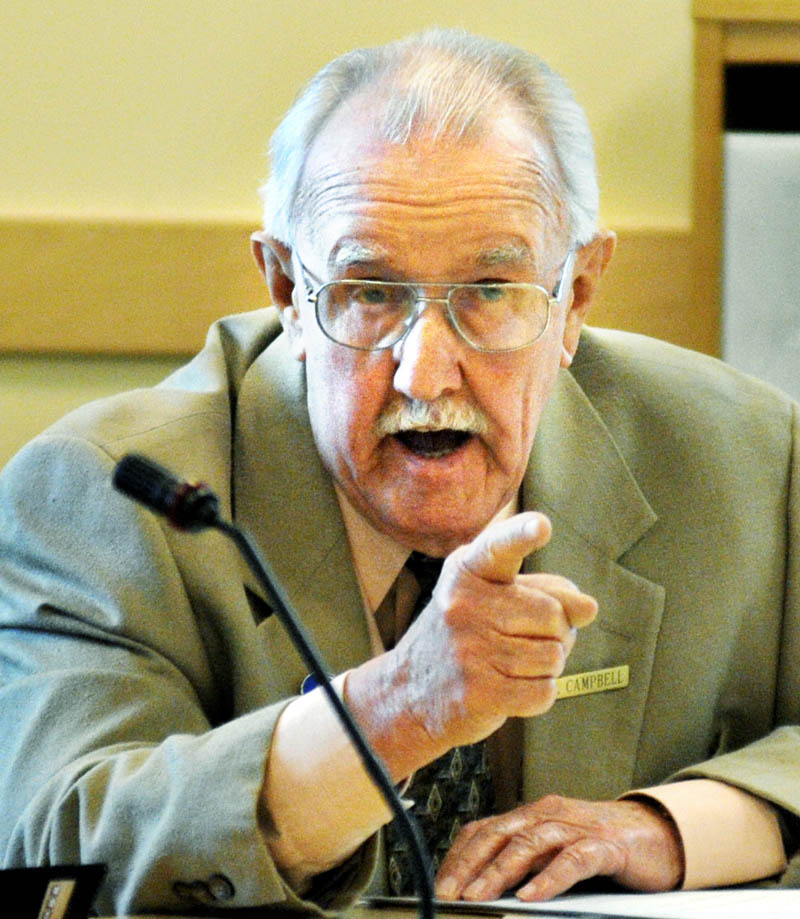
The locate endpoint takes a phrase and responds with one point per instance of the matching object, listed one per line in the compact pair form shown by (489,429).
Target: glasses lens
(365,314)
(500,317)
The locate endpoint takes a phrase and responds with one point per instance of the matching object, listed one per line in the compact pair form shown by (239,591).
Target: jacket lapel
(284,499)
(587,745)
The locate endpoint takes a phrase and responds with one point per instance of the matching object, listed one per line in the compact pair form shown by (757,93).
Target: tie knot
(426,570)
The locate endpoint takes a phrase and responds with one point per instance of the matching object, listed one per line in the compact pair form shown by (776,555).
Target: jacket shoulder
(651,370)
(204,389)
(667,406)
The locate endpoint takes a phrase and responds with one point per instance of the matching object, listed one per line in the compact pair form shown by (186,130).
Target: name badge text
(582,684)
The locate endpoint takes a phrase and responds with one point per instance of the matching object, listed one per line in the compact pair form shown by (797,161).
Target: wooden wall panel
(121,287)
(648,288)
(136,287)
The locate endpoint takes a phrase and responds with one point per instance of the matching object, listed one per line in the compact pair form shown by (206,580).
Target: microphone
(186,506)
(195,507)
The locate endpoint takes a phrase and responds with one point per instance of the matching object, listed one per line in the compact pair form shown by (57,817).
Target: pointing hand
(489,645)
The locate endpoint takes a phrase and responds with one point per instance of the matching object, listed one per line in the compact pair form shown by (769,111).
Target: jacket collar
(285,500)
(577,474)
(587,746)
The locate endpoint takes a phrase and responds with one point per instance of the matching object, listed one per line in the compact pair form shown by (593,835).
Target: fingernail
(528,893)
(475,891)
(533,527)
(446,889)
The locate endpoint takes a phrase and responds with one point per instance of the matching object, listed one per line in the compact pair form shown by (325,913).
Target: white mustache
(442,414)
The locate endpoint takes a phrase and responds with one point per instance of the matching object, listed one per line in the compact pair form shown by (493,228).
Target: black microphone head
(186,506)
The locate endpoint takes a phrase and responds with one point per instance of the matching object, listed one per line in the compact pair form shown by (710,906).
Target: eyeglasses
(372,315)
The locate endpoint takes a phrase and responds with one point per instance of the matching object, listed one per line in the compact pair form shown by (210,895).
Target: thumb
(497,553)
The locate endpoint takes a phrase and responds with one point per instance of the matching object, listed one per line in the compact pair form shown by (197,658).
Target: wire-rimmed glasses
(492,316)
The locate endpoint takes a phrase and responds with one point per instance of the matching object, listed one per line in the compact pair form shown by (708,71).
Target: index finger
(497,553)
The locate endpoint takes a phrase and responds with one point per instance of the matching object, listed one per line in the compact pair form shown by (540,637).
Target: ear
(591,261)
(274,260)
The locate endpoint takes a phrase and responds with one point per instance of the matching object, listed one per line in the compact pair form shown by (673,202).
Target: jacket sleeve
(770,768)
(118,736)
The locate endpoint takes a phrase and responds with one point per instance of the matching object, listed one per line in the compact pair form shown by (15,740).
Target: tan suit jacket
(139,681)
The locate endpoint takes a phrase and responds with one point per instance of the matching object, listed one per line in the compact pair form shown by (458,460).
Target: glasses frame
(553,299)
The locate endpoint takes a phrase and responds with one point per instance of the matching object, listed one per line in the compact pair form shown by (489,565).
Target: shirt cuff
(322,803)
(729,836)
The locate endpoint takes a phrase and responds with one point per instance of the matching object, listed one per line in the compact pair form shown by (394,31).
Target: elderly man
(424,383)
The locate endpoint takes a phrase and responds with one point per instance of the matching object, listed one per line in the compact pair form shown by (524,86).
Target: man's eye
(491,293)
(371,295)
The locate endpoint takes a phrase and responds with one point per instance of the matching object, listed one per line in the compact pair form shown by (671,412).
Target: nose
(429,357)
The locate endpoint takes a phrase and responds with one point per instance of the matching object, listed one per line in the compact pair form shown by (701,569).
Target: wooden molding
(149,288)
(709,91)
(122,287)
(726,31)
(751,43)
(744,10)
(648,288)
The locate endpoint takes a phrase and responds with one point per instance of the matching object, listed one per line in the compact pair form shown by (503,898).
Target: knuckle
(483,829)
(555,658)
(492,871)
(553,618)
(549,608)
(590,856)
(579,857)
(540,696)
(472,827)
(549,694)
(552,804)
(558,582)
(525,843)
(541,658)
(456,566)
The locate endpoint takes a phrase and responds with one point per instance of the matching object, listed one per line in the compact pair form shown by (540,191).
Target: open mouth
(433,444)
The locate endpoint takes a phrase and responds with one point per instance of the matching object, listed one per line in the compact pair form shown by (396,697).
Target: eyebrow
(513,253)
(355,253)
(352,253)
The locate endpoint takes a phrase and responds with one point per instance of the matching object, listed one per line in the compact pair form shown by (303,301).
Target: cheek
(346,391)
(329,399)
(520,400)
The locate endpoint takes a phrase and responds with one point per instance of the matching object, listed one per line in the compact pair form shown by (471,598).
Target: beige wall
(142,107)
(37,389)
(148,110)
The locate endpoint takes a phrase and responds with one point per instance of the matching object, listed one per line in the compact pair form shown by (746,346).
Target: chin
(435,536)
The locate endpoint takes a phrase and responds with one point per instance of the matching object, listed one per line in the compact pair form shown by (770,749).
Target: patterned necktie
(448,792)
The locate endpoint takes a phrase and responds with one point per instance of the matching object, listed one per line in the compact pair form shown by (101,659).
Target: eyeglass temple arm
(566,276)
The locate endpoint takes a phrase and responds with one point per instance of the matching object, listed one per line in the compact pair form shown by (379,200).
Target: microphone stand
(194,507)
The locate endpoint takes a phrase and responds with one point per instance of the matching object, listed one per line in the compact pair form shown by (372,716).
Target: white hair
(447,83)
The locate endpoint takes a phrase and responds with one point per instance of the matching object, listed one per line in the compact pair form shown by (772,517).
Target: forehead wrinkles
(328,190)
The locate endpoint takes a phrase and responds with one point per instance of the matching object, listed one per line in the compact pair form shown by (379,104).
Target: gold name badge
(581,684)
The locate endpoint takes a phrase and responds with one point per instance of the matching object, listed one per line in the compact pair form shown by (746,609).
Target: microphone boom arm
(195,507)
